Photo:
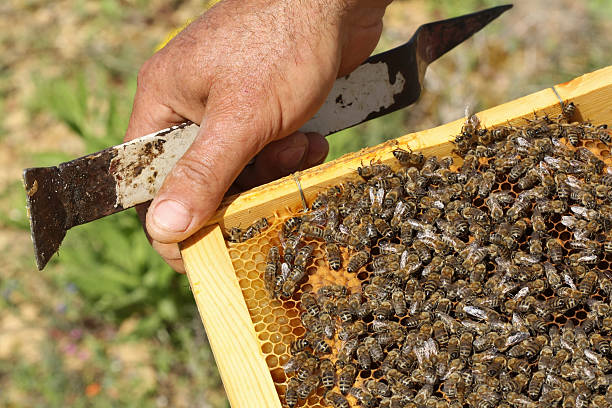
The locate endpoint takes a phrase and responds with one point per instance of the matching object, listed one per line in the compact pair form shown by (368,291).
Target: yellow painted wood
(592,94)
(228,325)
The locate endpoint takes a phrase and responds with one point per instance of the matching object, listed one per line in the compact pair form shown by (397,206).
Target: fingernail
(291,158)
(172,216)
(318,158)
(318,149)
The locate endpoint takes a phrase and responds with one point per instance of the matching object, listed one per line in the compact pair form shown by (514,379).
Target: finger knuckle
(199,172)
(147,72)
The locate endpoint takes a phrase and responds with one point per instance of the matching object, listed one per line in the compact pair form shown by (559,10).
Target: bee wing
(518,323)
(431,348)
(403,259)
(318,216)
(521,141)
(521,293)
(285,270)
(372,194)
(552,161)
(549,268)
(400,209)
(380,195)
(475,312)
(589,257)
(569,281)
(579,210)
(568,220)
(420,353)
(517,337)
(468,111)
(573,182)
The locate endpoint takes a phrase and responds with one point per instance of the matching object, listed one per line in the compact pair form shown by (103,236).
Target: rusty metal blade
(392,80)
(120,177)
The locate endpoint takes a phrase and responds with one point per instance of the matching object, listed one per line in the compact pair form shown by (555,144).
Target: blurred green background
(107,323)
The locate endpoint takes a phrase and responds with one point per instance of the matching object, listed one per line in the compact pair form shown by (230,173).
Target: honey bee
(291,224)
(256,228)
(398,302)
(299,344)
(595,358)
(320,201)
(601,344)
(383,228)
(363,357)
(486,183)
(588,283)
(607,245)
(312,324)
(408,158)
(465,345)
(307,387)
(374,348)
(328,303)
(310,304)
(452,347)
(352,330)
(604,136)
(291,396)
(518,209)
(296,361)
(530,179)
(373,170)
(568,111)
(535,384)
(328,373)
(555,251)
(281,278)
(346,378)
(272,266)
(365,398)
(307,368)
(332,291)
(357,261)
(334,258)
(312,230)
(377,388)
(290,246)
(497,211)
(235,234)
(422,251)
(344,311)
(329,327)
(336,400)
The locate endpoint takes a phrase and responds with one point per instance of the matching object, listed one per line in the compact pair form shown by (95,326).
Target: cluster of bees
(465,284)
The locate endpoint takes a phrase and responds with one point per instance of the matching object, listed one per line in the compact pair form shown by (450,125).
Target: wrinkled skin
(251,73)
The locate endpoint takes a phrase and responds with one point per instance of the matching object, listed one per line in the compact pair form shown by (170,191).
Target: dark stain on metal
(67,195)
(429,42)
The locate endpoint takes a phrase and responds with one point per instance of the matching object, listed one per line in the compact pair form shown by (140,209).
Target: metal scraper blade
(392,80)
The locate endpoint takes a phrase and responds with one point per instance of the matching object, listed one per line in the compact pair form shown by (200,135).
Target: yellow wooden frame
(213,281)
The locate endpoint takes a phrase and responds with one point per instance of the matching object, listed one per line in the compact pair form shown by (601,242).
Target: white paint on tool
(141,165)
(367,89)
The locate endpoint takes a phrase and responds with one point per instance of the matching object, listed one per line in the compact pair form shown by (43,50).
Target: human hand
(250,72)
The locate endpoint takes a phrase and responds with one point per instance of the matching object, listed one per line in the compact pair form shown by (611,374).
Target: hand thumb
(195,187)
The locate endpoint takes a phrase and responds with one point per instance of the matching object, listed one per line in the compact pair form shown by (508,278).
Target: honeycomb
(277,321)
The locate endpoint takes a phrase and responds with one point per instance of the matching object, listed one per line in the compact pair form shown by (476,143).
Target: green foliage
(110,261)
(366,135)
(87,105)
